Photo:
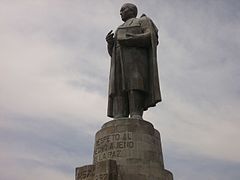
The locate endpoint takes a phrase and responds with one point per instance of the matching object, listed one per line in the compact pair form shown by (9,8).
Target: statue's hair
(132,7)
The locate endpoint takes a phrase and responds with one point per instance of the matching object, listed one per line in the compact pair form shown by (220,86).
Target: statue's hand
(110,38)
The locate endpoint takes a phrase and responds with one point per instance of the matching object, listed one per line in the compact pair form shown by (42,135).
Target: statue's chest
(132,27)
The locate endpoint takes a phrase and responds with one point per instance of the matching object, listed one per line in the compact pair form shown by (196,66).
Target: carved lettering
(83,174)
(101,176)
(111,146)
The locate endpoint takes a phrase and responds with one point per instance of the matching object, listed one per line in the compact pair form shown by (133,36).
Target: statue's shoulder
(144,18)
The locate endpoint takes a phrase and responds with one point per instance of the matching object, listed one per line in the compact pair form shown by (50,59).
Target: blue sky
(54,76)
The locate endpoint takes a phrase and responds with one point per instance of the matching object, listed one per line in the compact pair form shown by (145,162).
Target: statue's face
(125,13)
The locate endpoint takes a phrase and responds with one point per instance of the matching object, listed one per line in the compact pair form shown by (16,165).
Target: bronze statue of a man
(133,80)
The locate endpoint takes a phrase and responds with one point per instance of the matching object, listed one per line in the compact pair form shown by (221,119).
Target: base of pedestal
(126,149)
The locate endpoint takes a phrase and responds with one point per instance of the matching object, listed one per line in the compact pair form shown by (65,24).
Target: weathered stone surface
(126,149)
(104,170)
(136,147)
(85,172)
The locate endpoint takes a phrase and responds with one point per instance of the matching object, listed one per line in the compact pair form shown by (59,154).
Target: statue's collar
(128,22)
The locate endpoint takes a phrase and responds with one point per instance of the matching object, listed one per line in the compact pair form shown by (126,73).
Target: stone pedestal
(126,149)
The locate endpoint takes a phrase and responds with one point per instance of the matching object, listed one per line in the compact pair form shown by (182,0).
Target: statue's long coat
(143,77)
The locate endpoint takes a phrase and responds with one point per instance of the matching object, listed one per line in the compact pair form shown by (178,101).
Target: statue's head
(128,11)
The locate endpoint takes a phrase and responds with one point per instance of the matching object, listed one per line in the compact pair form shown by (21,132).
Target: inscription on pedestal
(85,172)
(106,170)
(112,145)
(101,177)
(126,149)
